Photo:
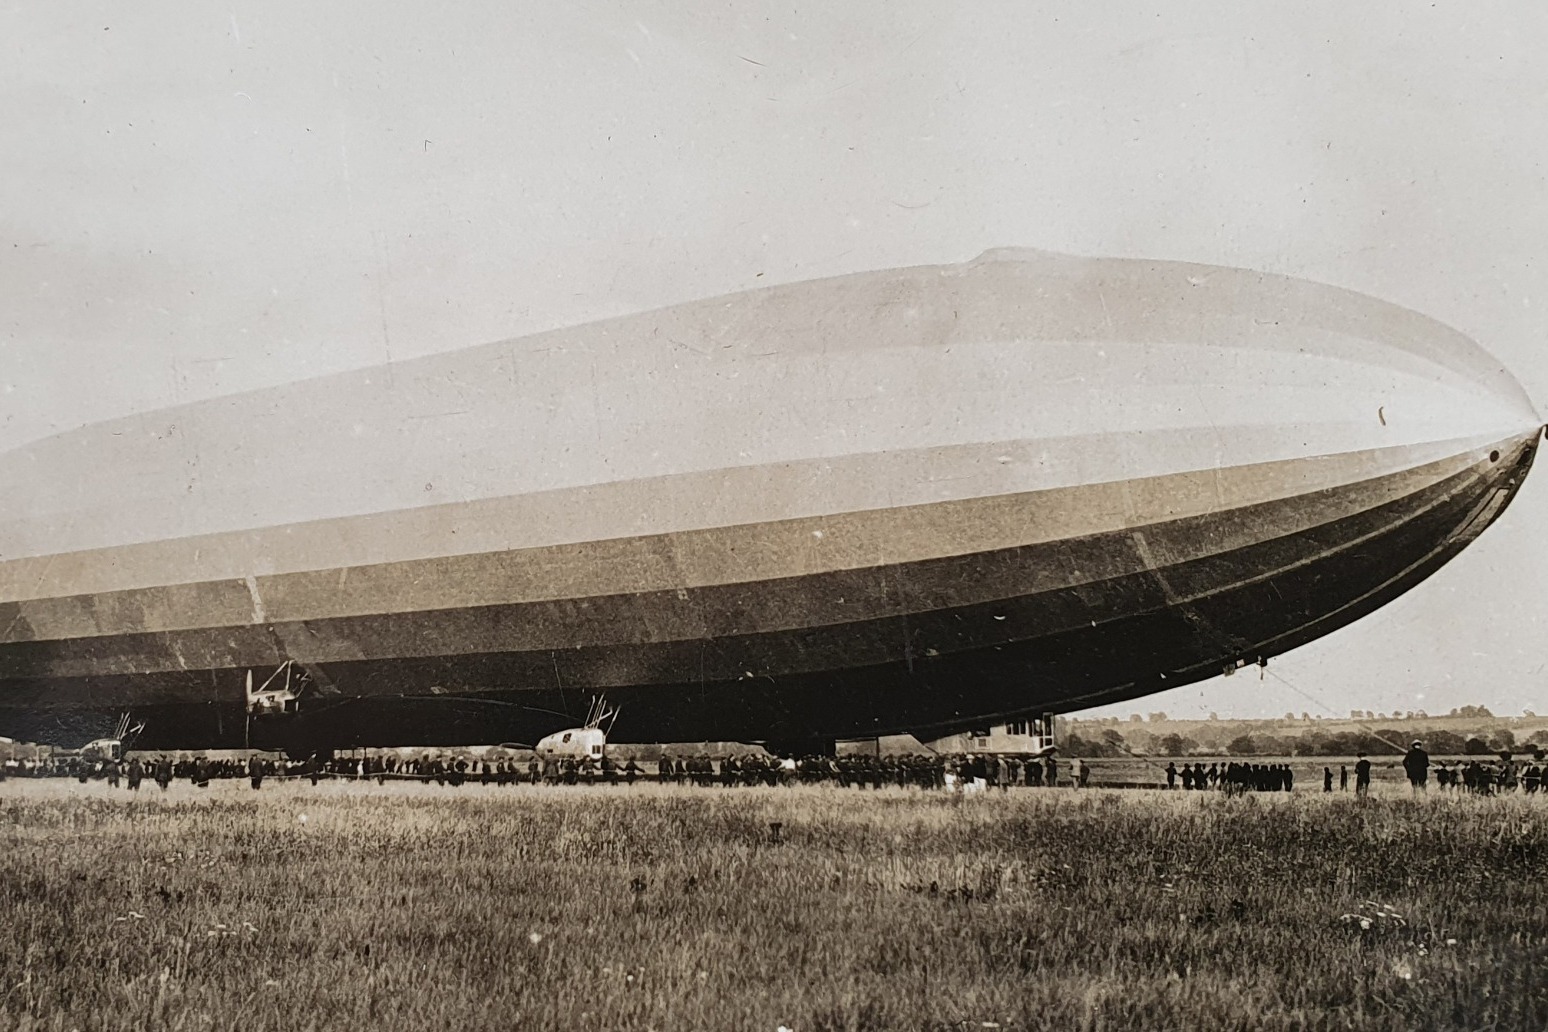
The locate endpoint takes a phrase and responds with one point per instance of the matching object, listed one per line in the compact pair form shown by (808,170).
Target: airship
(916,500)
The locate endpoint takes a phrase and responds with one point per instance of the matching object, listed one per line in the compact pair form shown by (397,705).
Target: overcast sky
(200,199)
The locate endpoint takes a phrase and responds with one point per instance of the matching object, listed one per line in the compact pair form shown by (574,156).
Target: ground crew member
(255,771)
(1362,775)
(1416,763)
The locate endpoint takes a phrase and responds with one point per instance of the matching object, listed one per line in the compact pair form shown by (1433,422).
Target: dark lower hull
(929,669)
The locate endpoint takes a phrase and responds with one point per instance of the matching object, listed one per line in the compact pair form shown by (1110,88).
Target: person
(1416,763)
(1508,773)
(1343,777)
(1327,779)
(255,772)
(135,772)
(1287,778)
(1362,775)
(1171,774)
(1076,769)
(163,772)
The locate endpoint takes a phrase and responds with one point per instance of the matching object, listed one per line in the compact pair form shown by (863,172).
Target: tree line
(1111,742)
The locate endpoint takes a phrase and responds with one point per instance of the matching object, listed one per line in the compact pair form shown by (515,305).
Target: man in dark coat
(135,771)
(163,773)
(255,772)
(1362,775)
(1416,764)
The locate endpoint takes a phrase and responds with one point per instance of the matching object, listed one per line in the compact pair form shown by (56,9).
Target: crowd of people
(854,770)
(1231,777)
(848,771)
(1485,777)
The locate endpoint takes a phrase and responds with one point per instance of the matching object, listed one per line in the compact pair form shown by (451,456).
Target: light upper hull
(912,500)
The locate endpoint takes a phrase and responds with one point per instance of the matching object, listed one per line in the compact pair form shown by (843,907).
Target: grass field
(353,907)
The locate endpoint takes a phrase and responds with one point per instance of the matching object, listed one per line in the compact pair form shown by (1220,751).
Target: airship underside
(913,500)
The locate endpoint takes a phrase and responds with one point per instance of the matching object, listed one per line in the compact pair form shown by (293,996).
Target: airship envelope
(917,499)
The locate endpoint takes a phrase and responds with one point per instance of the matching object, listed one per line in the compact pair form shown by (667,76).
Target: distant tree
(1528,713)
(1242,745)
(1502,739)
(1538,737)
(1445,743)
(1305,717)
(1215,716)
(1313,743)
(1289,716)
(1476,747)
(1355,714)
(1156,717)
(1077,745)
(1135,718)
(1176,745)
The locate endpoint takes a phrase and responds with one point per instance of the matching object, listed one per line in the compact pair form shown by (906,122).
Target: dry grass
(662,908)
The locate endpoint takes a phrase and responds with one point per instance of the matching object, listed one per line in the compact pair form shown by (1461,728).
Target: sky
(203,199)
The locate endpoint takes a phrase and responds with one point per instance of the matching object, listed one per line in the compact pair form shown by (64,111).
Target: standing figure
(1416,764)
(1362,775)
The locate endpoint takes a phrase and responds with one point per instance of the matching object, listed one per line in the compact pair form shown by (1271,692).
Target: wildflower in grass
(534,937)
